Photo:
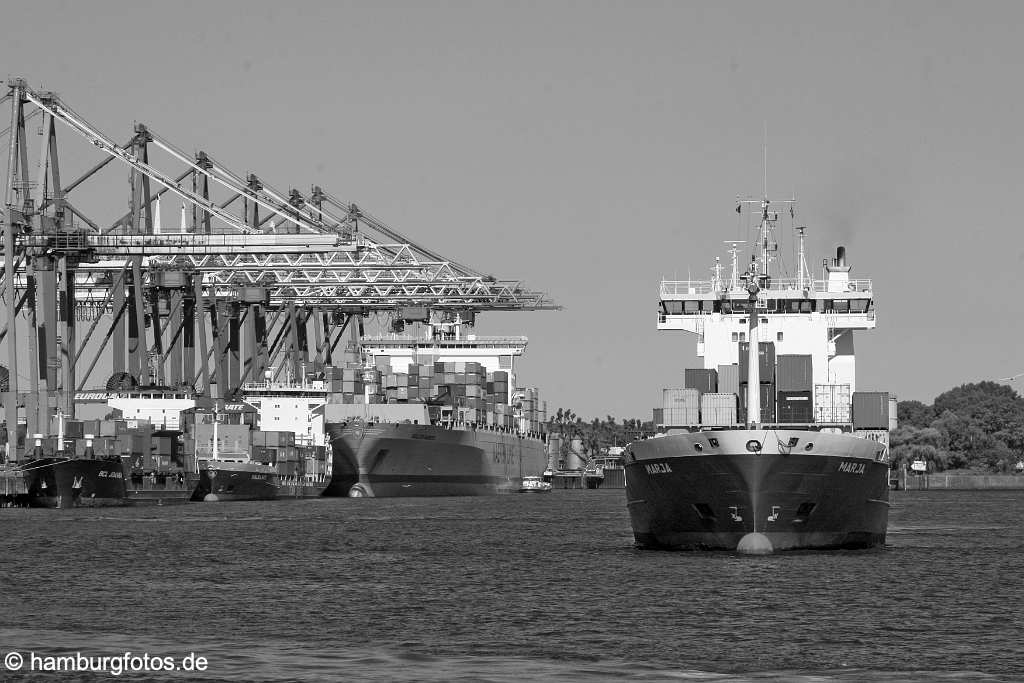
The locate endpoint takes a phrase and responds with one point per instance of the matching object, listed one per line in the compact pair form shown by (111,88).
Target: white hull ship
(755,461)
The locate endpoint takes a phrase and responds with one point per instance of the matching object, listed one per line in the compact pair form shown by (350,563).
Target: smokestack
(840,257)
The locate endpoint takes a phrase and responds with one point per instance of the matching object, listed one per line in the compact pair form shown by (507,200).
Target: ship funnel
(840,260)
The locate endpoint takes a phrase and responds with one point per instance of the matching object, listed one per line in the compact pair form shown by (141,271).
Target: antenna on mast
(764,160)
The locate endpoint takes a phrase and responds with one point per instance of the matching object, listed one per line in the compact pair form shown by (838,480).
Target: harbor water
(541,587)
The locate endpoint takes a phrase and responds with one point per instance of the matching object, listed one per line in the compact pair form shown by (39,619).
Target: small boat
(535,485)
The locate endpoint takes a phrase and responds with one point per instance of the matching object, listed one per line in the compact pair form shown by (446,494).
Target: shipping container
(871,410)
(793,373)
(74,429)
(682,405)
(766,353)
(729,379)
(659,416)
(795,407)
(767,400)
(718,409)
(893,423)
(703,380)
(832,403)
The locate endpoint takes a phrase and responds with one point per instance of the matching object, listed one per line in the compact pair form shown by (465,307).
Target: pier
(212,280)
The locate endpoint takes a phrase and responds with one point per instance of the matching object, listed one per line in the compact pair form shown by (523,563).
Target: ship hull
(825,491)
(290,489)
(77,482)
(230,481)
(389,460)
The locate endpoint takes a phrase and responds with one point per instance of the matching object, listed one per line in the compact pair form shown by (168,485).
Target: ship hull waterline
(833,495)
(75,482)
(397,460)
(231,482)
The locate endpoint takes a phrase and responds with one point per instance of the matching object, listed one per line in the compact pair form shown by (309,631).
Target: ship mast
(756,278)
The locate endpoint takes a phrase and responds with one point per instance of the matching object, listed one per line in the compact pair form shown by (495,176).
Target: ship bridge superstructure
(494,353)
(800,315)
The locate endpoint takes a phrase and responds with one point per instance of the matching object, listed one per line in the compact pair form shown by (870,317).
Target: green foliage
(914,413)
(976,426)
(597,435)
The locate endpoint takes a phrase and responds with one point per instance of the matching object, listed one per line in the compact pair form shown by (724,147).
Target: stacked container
(718,409)
(832,403)
(795,381)
(870,410)
(703,380)
(766,367)
(729,379)
(766,375)
(477,396)
(681,407)
(767,400)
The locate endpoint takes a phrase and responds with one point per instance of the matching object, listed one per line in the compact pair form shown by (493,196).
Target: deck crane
(245,286)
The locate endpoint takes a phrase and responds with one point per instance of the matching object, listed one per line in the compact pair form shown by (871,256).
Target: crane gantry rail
(249,273)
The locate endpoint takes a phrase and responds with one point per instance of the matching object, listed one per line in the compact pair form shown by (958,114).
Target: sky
(593,148)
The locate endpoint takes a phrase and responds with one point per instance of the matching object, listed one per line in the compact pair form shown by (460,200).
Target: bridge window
(673,307)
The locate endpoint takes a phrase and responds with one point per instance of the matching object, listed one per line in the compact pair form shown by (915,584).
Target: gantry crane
(247,287)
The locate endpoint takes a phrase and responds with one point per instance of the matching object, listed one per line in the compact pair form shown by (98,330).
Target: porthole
(809,446)
(713,442)
(754,446)
(697,447)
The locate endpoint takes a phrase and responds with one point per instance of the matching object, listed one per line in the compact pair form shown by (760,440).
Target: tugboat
(792,467)
(535,485)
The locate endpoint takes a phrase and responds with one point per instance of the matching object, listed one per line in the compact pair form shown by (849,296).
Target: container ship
(180,446)
(769,446)
(65,472)
(435,415)
(224,463)
(291,435)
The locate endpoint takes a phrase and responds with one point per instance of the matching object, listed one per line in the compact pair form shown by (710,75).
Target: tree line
(974,426)
(597,435)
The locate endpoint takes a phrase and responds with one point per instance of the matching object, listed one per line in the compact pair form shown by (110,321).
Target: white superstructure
(800,315)
(290,407)
(162,406)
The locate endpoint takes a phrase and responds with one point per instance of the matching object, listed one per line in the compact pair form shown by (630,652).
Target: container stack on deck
(476,395)
(795,383)
(717,397)
(766,372)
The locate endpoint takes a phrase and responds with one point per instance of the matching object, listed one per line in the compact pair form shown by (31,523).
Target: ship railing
(540,436)
(688,288)
(466,341)
(316,385)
